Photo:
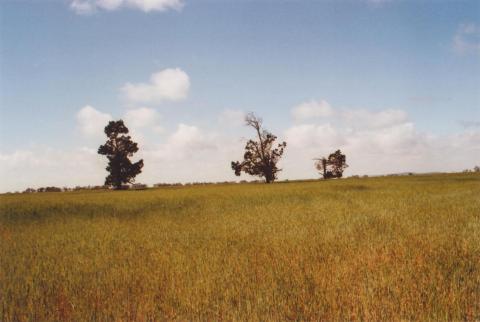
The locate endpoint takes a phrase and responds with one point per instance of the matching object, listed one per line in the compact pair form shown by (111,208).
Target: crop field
(386,248)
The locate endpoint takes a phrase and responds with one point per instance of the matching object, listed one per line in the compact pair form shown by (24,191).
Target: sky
(394,84)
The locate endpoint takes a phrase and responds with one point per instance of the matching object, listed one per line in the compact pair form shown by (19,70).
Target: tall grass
(396,248)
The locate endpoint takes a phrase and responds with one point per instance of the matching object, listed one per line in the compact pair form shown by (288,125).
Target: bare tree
(260,158)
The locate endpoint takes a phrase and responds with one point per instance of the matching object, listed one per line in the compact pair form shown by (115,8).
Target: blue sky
(415,63)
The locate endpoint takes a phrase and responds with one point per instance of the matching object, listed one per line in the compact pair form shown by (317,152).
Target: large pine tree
(118,149)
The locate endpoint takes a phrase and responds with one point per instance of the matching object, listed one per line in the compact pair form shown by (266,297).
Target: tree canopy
(119,148)
(333,166)
(261,157)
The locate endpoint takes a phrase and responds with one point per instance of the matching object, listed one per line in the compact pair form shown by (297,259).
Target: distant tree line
(475,169)
(64,189)
(137,186)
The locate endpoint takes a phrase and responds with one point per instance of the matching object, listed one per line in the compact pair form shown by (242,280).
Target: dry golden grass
(396,248)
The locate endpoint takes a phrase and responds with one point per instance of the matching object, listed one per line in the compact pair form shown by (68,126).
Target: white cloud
(185,136)
(109,4)
(467,39)
(190,154)
(170,84)
(361,129)
(91,122)
(141,117)
(91,6)
(155,5)
(312,109)
(377,142)
(313,136)
(401,148)
(393,140)
(82,7)
(187,140)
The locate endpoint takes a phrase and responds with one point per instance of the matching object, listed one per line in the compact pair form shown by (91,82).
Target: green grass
(391,248)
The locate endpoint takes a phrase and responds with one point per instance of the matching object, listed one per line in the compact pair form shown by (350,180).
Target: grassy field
(390,248)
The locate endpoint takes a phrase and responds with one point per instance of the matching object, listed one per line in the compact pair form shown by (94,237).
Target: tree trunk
(324,166)
(269,178)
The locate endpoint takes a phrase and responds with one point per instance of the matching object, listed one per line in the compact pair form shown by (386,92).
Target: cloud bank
(375,142)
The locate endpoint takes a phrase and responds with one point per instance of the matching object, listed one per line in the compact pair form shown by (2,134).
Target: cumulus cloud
(191,153)
(91,122)
(82,7)
(312,109)
(361,129)
(170,84)
(91,6)
(186,141)
(315,111)
(313,135)
(467,39)
(392,140)
(376,142)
